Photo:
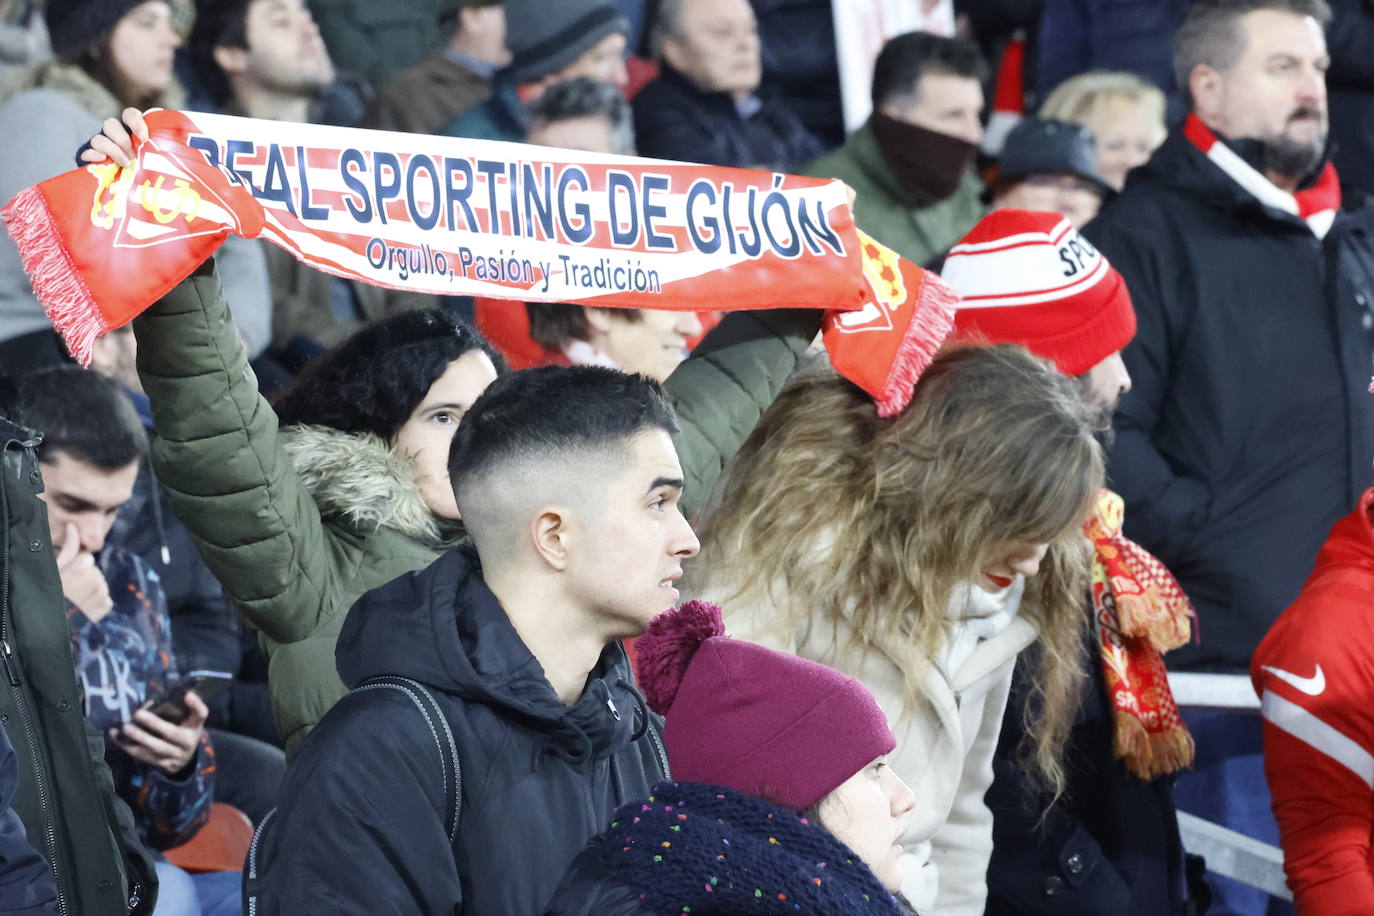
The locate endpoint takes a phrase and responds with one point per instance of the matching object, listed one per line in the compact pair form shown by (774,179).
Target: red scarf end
(1151,755)
(56,281)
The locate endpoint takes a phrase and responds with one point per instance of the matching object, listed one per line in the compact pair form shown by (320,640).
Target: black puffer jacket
(1249,429)
(361,827)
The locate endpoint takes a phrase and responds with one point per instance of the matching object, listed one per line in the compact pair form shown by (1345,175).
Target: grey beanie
(1038,146)
(546,36)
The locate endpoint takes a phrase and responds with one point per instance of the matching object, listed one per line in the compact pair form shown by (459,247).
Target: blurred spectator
(110,54)
(549,43)
(64,793)
(1076,36)
(23,36)
(582,114)
(379,39)
(117,615)
(1248,431)
(910,165)
(26,883)
(425,98)
(652,342)
(705,105)
(1350,82)
(800,65)
(1312,672)
(1048,166)
(265,59)
(1124,113)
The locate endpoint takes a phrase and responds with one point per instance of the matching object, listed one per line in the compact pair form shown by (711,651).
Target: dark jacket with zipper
(674,119)
(66,796)
(26,885)
(1249,428)
(361,825)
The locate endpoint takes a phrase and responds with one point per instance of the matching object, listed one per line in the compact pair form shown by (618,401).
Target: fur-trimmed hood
(357,478)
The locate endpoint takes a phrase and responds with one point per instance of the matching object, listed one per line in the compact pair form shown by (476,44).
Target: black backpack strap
(428,707)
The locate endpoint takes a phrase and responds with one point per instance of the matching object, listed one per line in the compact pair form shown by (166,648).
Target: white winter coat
(945,741)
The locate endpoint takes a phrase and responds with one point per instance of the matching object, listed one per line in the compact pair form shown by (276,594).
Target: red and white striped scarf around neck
(1317,206)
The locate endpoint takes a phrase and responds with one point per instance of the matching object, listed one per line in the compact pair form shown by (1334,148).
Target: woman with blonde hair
(1124,112)
(922,554)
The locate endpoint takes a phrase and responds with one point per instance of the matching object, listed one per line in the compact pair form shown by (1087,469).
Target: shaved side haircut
(557,433)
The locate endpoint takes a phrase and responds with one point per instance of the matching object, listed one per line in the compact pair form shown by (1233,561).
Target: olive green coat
(297,524)
(919,234)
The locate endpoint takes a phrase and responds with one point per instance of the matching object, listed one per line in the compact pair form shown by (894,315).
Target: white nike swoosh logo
(1312,686)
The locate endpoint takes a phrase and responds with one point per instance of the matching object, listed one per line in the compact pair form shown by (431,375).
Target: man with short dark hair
(705,106)
(550,43)
(911,164)
(1249,428)
(265,59)
(568,483)
(425,98)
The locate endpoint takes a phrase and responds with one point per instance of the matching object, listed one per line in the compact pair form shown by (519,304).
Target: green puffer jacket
(66,796)
(918,234)
(298,523)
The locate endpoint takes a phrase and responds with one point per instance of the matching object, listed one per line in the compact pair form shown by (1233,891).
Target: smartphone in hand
(206,684)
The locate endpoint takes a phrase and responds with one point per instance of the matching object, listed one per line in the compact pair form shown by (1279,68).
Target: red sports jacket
(1314,673)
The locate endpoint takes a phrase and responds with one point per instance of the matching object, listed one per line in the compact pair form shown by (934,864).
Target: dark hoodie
(361,825)
(1248,429)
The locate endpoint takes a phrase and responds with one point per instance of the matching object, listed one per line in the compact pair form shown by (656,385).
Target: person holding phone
(155,742)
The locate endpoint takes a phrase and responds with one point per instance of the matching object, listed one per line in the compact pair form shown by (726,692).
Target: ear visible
(232,61)
(552,534)
(598,320)
(673,53)
(1206,85)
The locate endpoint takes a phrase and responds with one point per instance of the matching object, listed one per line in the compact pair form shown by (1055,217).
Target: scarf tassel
(1151,616)
(931,321)
(1150,756)
(56,280)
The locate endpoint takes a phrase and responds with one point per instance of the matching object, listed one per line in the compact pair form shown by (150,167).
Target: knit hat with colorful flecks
(697,848)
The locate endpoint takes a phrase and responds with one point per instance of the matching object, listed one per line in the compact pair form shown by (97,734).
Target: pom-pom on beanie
(1029,278)
(765,723)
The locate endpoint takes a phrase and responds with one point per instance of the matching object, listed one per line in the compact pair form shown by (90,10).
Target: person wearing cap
(922,554)
(1110,843)
(911,164)
(426,98)
(705,106)
(782,798)
(1049,166)
(549,43)
(109,54)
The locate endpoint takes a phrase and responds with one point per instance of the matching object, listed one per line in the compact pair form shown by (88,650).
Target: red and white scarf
(1317,206)
(1140,612)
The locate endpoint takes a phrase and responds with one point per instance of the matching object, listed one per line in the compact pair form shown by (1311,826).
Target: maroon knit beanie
(765,723)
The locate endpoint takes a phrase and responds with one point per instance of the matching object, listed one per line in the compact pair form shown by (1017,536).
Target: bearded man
(1248,430)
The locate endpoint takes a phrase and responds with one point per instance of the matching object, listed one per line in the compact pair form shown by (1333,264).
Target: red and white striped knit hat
(1029,278)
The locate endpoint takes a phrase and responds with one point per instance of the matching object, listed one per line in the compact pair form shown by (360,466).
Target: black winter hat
(545,37)
(74,25)
(374,380)
(1042,147)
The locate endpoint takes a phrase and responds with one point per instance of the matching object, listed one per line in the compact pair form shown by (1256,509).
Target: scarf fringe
(932,319)
(1148,756)
(56,281)
(1149,617)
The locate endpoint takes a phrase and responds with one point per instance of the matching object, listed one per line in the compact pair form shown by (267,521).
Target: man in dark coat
(65,795)
(568,483)
(26,885)
(1249,429)
(705,106)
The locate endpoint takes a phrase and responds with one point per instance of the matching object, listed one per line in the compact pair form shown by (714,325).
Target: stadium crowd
(318,596)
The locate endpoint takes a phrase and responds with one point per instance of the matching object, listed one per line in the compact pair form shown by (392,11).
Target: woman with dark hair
(110,54)
(783,801)
(346,488)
